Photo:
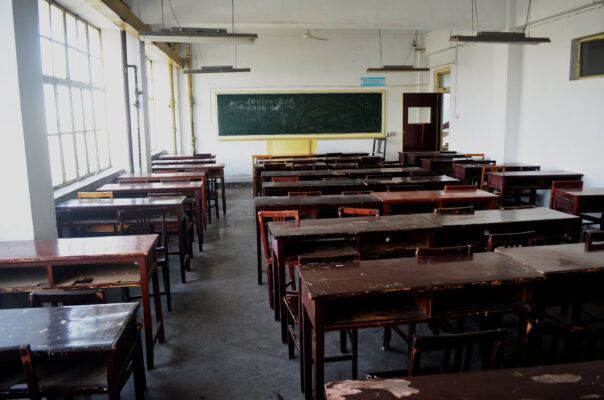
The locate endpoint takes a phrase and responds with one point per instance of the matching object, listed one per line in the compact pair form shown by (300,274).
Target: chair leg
(167,289)
(269,284)
(354,343)
(387,338)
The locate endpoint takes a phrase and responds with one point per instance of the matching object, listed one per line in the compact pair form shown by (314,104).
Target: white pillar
(27,204)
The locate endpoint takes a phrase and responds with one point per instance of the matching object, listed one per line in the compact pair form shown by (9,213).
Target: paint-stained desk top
(407,275)
(66,329)
(153,186)
(538,174)
(412,180)
(561,381)
(119,203)
(489,217)
(335,200)
(159,176)
(432,195)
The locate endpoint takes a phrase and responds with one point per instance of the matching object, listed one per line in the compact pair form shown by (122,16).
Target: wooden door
(421,121)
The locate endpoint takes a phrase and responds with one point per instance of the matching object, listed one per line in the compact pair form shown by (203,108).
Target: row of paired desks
(391,292)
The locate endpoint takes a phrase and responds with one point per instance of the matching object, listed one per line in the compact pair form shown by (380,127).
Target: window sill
(88,184)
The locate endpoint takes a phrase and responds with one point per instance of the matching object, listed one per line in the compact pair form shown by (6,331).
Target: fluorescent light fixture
(215,69)
(501,37)
(397,68)
(194,35)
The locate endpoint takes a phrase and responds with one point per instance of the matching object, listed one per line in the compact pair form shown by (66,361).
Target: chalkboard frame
(326,136)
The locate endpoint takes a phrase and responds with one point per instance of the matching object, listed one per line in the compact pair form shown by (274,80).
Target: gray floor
(222,339)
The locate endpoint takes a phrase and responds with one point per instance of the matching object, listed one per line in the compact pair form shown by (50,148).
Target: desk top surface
(557,259)
(487,217)
(435,195)
(585,192)
(357,171)
(412,275)
(66,329)
(536,174)
(78,204)
(326,200)
(134,187)
(185,161)
(188,166)
(411,180)
(561,381)
(76,249)
(166,175)
(506,164)
(318,184)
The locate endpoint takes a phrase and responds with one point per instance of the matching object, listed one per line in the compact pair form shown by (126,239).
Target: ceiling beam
(118,12)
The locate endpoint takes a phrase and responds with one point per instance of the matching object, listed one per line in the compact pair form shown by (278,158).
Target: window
(442,84)
(442,81)
(587,57)
(74,95)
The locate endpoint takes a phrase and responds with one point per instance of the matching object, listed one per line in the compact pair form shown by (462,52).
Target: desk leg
(258,249)
(182,244)
(203,202)
(493,204)
(200,213)
(306,352)
(386,209)
(279,284)
(222,189)
(319,353)
(150,333)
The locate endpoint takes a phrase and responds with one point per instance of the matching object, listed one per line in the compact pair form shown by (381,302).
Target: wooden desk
(184,161)
(159,177)
(428,182)
(577,381)
(191,189)
(445,165)
(106,332)
(82,263)
(573,274)
(325,187)
(469,173)
(577,202)
(395,292)
(74,210)
(437,198)
(259,169)
(318,204)
(184,157)
(212,171)
(517,181)
(404,156)
(414,159)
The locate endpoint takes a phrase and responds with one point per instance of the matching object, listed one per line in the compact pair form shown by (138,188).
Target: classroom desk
(404,155)
(397,292)
(445,165)
(288,166)
(437,198)
(313,204)
(407,231)
(78,210)
(336,186)
(517,181)
(414,159)
(184,161)
(184,157)
(212,171)
(427,182)
(577,202)
(584,382)
(159,177)
(468,173)
(573,274)
(83,263)
(190,189)
(103,332)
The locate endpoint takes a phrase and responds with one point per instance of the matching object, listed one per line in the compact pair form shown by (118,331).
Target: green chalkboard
(314,113)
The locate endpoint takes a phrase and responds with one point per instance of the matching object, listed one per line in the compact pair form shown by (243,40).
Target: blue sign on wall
(373,81)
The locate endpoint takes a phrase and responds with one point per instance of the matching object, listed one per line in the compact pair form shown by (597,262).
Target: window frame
(437,79)
(580,41)
(93,163)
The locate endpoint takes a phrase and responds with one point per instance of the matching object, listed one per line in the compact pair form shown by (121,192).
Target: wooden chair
(292,304)
(401,188)
(285,179)
(457,349)
(594,240)
(303,194)
(353,192)
(563,185)
(144,222)
(95,195)
(16,368)
(516,239)
(211,188)
(355,212)
(483,176)
(65,297)
(264,217)
(472,155)
(459,188)
(468,210)
(94,227)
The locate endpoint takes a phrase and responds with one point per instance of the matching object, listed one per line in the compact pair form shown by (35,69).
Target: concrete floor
(222,339)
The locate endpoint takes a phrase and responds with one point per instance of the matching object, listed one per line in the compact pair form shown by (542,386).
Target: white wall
(516,103)
(282,63)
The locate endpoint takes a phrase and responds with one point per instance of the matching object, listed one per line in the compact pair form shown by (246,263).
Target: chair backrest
(591,237)
(264,217)
(303,194)
(459,188)
(144,222)
(379,176)
(469,210)
(401,188)
(65,297)
(345,211)
(329,259)
(552,342)
(352,192)
(424,252)
(471,155)
(515,239)
(95,195)
(285,179)
(11,359)
(275,166)
(485,170)
(458,350)
(563,185)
